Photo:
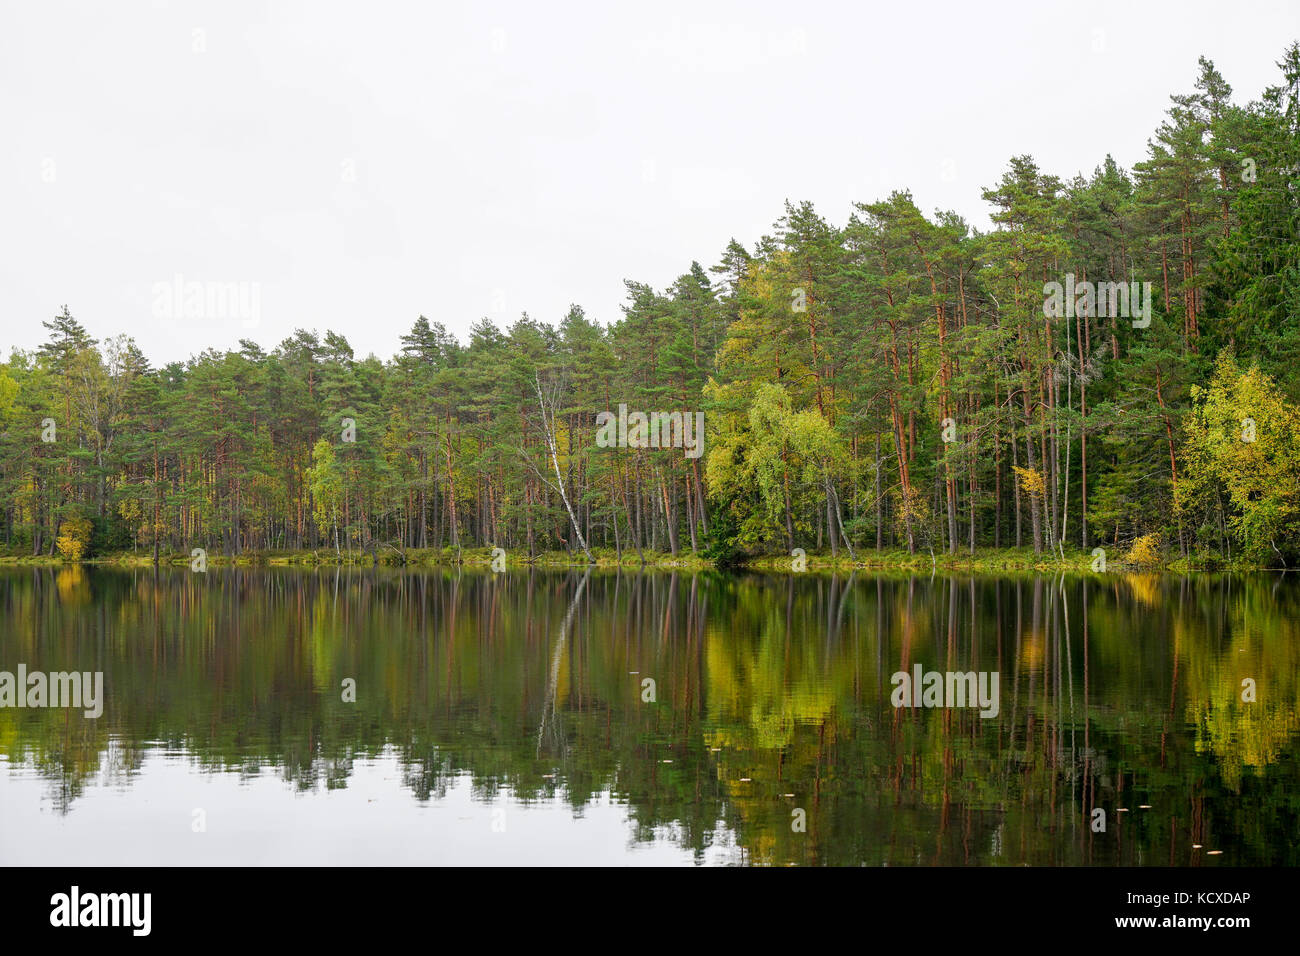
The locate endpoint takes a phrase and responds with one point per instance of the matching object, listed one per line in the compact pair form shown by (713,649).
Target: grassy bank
(427,557)
(984,560)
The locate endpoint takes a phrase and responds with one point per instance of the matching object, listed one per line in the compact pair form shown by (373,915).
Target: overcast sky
(356,165)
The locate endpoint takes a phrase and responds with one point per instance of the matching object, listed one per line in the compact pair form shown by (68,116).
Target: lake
(385,716)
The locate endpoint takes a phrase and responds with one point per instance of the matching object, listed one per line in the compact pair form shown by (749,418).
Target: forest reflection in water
(751,712)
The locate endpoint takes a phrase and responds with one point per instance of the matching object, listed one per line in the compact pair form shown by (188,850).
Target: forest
(898,383)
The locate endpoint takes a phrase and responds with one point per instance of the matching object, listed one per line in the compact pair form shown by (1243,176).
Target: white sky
(359,164)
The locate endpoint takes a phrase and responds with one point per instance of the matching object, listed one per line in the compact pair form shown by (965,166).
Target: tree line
(900,381)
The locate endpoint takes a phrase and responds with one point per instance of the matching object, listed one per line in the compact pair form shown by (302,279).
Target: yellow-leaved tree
(1243,465)
(74,538)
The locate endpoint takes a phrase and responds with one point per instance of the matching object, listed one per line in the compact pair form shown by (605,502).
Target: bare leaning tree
(548,402)
(551,730)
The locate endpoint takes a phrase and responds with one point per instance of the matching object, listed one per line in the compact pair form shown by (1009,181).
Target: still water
(654,718)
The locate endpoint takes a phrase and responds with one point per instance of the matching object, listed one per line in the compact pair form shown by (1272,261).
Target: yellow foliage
(73,539)
(1145,550)
(1031,481)
(69,548)
(1243,442)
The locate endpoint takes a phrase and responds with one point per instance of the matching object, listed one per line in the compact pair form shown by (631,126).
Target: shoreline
(984,560)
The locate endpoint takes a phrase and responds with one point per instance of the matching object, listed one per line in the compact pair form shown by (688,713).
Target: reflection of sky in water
(253,820)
